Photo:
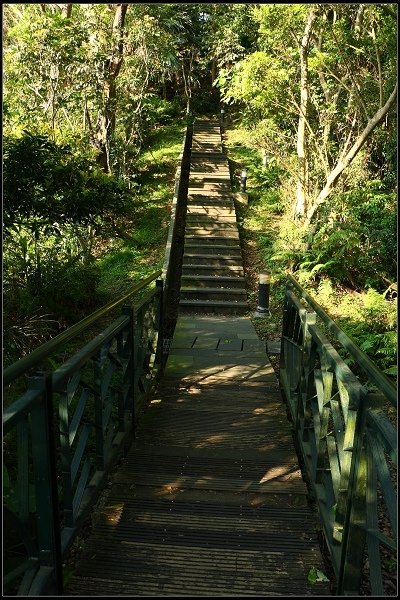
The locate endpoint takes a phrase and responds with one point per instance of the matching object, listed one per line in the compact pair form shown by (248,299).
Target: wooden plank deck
(210,500)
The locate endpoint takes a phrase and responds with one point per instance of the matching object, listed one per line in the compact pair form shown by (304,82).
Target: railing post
(45,474)
(354,535)
(285,319)
(304,418)
(98,411)
(137,332)
(126,356)
(160,326)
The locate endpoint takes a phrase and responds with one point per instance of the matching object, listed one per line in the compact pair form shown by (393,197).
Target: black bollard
(222,116)
(263,295)
(243,180)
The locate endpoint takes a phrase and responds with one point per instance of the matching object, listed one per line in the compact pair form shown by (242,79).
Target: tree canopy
(314,86)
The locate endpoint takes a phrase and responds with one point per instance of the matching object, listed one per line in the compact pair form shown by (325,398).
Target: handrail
(377,376)
(172,225)
(27,362)
(69,427)
(348,445)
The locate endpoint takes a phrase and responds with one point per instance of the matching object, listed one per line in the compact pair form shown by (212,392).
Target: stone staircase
(212,271)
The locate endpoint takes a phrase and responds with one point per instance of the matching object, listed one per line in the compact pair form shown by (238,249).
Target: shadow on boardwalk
(210,500)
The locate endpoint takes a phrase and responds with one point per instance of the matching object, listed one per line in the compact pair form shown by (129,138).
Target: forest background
(95,101)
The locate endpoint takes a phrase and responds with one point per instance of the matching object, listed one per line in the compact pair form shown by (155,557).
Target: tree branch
(341,165)
(386,9)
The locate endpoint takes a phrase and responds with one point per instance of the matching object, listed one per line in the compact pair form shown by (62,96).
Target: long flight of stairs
(212,271)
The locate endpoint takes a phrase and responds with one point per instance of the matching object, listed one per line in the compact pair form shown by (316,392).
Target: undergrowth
(367,313)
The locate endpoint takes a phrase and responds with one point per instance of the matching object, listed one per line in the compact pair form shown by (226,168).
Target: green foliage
(56,272)
(355,238)
(45,184)
(23,333)
(315,575)
(368,318)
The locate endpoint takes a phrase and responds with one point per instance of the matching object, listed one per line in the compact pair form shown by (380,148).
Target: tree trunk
(66,10)
(346,160)
(187,80)
(213,70)
(302,177)
(106,120)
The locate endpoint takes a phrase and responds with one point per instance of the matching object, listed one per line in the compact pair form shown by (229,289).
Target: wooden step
(239,307)
(214,210)
(205,259)
(202,195)
(209,164)
(207,147)
(209,173)
(219,158)
(207,202)
(213,281)
(209,240)
(202,170)
(223,187)
(210,293)
(212,250)
(225,230)
(207,136)
(193,220)
(224,270)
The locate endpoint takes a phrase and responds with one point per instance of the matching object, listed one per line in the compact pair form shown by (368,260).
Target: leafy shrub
(24,333)
(45,184)
(355,240)
(368,318)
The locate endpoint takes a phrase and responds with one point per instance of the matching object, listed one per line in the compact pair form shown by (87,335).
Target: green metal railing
(348,444)
(65,430)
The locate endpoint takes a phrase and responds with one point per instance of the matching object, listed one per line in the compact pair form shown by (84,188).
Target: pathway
(209,500)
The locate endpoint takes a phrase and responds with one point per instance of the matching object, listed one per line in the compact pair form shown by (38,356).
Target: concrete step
(212,250)
(199,270)
(238,307)
(192,293)
(213,281)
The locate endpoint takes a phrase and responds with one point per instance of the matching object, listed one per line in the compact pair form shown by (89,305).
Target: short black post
(222,116)
(264,160)
(263,295)
(243,180)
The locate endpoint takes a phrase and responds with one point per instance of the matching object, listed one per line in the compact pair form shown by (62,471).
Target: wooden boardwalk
(210,499)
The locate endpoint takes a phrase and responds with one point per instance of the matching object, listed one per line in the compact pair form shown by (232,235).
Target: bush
(45,184)
(355,240)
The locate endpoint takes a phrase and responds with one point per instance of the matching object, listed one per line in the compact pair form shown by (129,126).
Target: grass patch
(139,245)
